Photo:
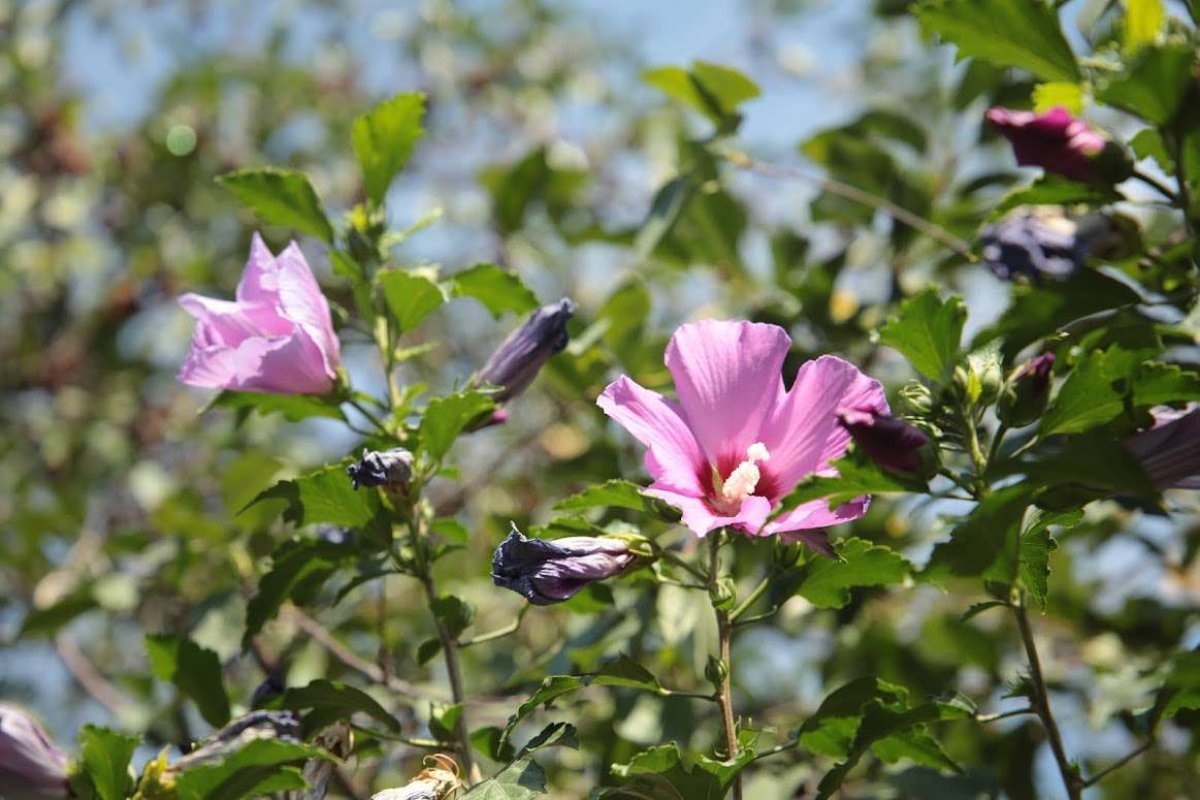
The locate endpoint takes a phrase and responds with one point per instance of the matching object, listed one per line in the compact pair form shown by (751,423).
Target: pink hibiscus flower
(736,441)
(277,337)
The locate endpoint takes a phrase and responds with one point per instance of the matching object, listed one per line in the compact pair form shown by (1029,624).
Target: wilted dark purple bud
(1025,396)
(889,441)
(241,732)
(517,360)
(1037,244)
(31,767)
(1170,449)
(382,468)
(547,572)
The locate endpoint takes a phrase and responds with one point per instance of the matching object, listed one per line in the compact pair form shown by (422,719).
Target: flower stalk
(724,691)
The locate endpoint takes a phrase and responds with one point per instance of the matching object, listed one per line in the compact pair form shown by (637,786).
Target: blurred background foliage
(549,152)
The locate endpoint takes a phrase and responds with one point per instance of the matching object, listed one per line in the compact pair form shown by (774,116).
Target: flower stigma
(742,482)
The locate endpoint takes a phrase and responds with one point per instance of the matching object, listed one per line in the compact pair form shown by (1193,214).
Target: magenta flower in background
(31,766)
(1054,141)
(277,337)
(1170,449)
(736,442)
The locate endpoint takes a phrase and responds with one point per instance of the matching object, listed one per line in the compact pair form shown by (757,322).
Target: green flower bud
(1027,392)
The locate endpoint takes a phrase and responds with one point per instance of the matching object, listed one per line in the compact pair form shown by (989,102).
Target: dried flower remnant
(547,572)
(276,337)
(438,781)
(389,468)
(735,442)
(31,766)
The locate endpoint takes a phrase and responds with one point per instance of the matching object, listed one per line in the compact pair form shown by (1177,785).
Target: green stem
(724,692)
(683,564)
(499,633)
(1184,197)
(750,600)
(1041,703)
(370,416)
(994,450)
(978,459)
(1157,185)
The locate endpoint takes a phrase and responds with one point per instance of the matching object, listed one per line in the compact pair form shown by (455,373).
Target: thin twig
(1041,700)
(93,682)
(343,654)
(854,194)
(1116,765)
(724,688)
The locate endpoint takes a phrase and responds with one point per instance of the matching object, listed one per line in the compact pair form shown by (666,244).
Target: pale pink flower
(1170,448)
(736,441)
(31,766)
(276,337)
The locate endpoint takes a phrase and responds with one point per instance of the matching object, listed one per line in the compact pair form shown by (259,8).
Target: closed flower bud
(389,468)
(519,357)
(1054,141)
(1170,449)
(890,442)
(31,766)
(1025,396)
(547,572)
(917,398)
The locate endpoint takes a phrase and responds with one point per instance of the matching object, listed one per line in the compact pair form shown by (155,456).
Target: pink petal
(302,302)
(727,378)
(673,457)
(281,365)
(218,322)
(802,433)
(699,517)
(816,514)
(260,280)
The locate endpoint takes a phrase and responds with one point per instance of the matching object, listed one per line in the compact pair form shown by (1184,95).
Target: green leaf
(499,290)
(454,613)
(624,671)
(242,772)
(857,475)
(104,756)
(1007,33)
(443,719)
(1157,383)
(46,621)
(551,688)
(1036,546)
(1089,398)
(614,493)
(521,780)
(280,197)
(977,542)
(652,772)
(826,582)
(711,89)
(1154,85)
(324,495)
(331,701)
(446,417)
(1181,686)
(1050,189)
(410,295)
(194,670)
(1093,460)
(384,138)
(1143,20)
(296,565)
(927,331)
(1038,311)
(293,407)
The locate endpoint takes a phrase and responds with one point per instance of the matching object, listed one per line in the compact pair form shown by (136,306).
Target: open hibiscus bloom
(736,441)
(276,337)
